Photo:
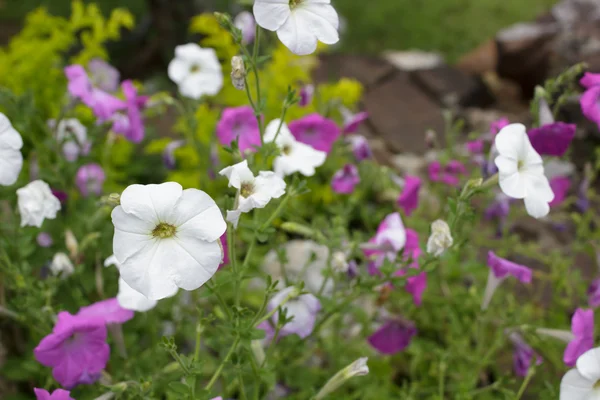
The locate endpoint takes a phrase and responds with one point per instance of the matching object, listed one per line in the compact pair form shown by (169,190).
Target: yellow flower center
(194,68)
(597,385)
(520,164)
(286,149)
(164,231)
(294,3)
(247,189)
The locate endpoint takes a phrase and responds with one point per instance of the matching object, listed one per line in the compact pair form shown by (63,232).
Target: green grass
(451,27)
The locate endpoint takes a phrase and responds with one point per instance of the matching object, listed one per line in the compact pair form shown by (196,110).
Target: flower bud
(357,368)
(238,73)
(61,265)
(339,262)
(440,239)
(71,243)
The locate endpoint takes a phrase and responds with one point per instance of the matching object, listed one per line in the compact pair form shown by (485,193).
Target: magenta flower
(590,104)
(345,179)
(552,139)
(360,147)
(90,179)
(352,121)
(60,195)
(582,329)
(44,239)
(409,198)
(497,125)
(560,186)
(590,80)
(131,124)
(594,294)
(306,95)
(316,131)
(76,350)
(523,356)
(415,285)
(58,394)
(239,123)
(393,336)
(103,104)
(501,269)
(448,174)
(109,311)
(225,251)
(169,153)
(475,146)
(103,75)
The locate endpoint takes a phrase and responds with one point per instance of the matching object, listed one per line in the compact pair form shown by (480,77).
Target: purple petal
(497,125)
(552,139)
(316,131)
(409,198)
(590,80)
(90,179)
(345,179)
(590,104)
(108,310)
(502,268)
(352,124)
(239,123)
(393,336)
(560,186)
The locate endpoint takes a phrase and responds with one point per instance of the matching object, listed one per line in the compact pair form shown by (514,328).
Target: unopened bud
(430,139)
(72,244)
(61,265)
(357,368)
(440,239)
(339,263)
(238,73)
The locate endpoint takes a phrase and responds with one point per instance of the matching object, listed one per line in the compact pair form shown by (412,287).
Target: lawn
(452,27)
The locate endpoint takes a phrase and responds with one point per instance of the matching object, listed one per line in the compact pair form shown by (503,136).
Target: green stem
(530,373)
(274,310)
(222,365)
(220,298)
(233,261)
(276,212)
(198,337)
(281,119)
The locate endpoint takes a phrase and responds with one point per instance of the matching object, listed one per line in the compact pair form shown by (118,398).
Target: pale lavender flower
(44,239)
(523,356)
(169,153)
(245,22)
(90,179)
(306,95)
(103,75)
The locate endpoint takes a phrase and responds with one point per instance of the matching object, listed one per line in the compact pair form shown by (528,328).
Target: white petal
(305,159)
(195,262)
(237,174)
(190,52)
(296,34)
(538,186)
(268,185)
(9,135)
(513,185)
(178,70)
(588,364)
(112,260)
(11,163)
(151,202)
(575,387)
(536,206)
(131,299)
(323,21)
(271,14)
(131,223)
(233,216)
(285,135)
(506,165)
(512,141)
(202,83)
(197,216)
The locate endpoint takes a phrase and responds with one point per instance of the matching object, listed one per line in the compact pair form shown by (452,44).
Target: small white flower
(72,134)
(167,237)
(61,265)
(583,382)
(299,23)
(521,170)
(296,156)
(129,298)
(36,203)
(440,239)
(339,262)
(254,192)
(11,160)
(196,71)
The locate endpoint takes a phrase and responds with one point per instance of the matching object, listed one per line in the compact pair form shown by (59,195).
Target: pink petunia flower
(352,121)
(409,198)
(582,329)
(239,123)
(501,269)
(448,174)
(316,131)
(76,350)
(58,394)
(393,336)
(345,179)
(523,356)
(475,146)
(131,124)
(90,179)
(560,186)
(590,104)
(497,125)
(590,80)
(109,311)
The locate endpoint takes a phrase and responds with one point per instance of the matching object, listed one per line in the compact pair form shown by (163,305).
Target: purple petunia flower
(316,131)
(552,139)
(109,311)
(590,99)
(409,198)
(393,336)
(560,186)
(131,124)
(76,350)
(475,146)
(239,123)
(345,179)
(497,125)
(360,147)
(448,174)
(44,239)
(590,80)
(103,75)
(306,95)
(582,329)
(500,269)
(169,153)
(58,394)
(415,285)
(90,179)
(352,121)
(523,356)
(103,104)
(594,294)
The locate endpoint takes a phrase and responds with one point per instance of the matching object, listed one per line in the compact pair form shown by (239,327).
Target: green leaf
(180,388)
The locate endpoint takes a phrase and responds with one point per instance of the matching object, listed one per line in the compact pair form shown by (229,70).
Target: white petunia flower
(296,156)
(11,160)
(521,170)
(72,134)
(254,192)
(196,71)
(440,239)
(36,203)
(129,298)
(300,24)
(582,382)
(167,238)
(61,265)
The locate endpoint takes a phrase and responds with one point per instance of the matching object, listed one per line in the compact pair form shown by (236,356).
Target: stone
(481,60)
(368,70)
(414,60)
